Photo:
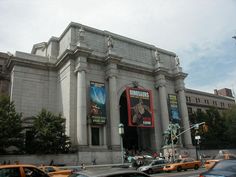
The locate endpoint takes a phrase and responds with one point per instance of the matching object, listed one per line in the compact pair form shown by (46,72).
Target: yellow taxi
(226,156)
(182,164)
(21,170)
(55,171)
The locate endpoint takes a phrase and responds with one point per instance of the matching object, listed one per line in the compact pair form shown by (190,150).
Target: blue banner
(97,103)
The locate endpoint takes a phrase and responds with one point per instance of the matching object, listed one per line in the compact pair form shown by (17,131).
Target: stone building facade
(57,75)
(202,101)
(4,74)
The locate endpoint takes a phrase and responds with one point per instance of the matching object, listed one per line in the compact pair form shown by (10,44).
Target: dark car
(110,172)
(153,167)
(224,168)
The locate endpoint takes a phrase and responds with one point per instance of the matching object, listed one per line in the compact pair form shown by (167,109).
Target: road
(189,173)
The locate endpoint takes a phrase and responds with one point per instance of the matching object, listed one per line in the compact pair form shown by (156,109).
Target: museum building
(97,79)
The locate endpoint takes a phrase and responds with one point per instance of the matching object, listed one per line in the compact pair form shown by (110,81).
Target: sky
(199,31)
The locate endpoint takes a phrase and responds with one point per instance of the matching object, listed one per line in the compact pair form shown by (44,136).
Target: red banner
(140,107)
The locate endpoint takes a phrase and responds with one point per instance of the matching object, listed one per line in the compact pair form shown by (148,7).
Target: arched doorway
(135,138)
(131,140)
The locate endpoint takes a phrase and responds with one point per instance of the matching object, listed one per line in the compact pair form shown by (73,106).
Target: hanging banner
(174,111)
(140,107)
(97,103)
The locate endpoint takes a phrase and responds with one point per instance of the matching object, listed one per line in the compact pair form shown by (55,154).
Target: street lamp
(197,138)
(121,132)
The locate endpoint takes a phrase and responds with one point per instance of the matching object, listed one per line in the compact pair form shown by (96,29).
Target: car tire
(179,168)
(196,167)
(150,171)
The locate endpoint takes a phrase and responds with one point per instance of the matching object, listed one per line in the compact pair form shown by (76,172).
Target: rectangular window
(95,136)
(190,110)
(199,110)
(188,99)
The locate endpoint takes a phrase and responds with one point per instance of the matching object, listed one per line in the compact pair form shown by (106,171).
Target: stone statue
(175,128)
(81,34)
(110,44)
(166,136)
(171,134)
(177,61)
(157,56)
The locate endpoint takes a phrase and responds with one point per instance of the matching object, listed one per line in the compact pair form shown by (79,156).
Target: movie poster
(140,107)
(174,110)
(97,103)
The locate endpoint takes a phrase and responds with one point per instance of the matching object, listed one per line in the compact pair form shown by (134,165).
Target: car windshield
(147,162)
(226,166)
(178,161)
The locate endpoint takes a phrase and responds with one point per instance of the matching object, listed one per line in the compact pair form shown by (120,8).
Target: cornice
(135,68)
(114,36)
(68,54)
(180,75)
(32,64)
(112,58)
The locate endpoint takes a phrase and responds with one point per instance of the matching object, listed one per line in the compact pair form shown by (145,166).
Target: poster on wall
(97,103)
(140,107)
(174,111)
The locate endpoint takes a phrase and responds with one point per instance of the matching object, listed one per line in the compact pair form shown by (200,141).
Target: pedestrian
(82,166)
(51,163)
(94,161)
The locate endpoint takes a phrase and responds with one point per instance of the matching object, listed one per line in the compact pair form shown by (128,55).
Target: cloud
(198,31)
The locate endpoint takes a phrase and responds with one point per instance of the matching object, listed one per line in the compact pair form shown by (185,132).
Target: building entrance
(132,135)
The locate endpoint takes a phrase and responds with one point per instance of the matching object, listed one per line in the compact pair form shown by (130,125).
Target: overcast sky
(198,31)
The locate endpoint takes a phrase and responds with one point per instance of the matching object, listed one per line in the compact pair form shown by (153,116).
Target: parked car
(223,168)
(210,163)
(182,164)
(111,172)
(153,166)
(54,170)
(21,171)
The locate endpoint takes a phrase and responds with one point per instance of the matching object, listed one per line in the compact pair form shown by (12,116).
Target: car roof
(16,165)
(106,172)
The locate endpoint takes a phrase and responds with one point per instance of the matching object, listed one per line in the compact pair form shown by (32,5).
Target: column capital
(80,68)
(111,73)
(112,58)
(160,81)
(179,88)
(179,85)
(81,64)
(111,68)
(82,51)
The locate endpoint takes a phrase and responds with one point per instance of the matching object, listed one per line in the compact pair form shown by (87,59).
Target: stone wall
(65,159)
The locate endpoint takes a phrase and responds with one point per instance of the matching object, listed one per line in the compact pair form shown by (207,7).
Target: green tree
(230,123)
(48,133)
(10,125)
(215,136)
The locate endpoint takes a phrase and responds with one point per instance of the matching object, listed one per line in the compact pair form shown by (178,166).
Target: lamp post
(121,132)
(197,138)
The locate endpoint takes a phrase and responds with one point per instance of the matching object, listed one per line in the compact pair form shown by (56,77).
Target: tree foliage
(48,134)
(218,129)
(10,125)
(230,123)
